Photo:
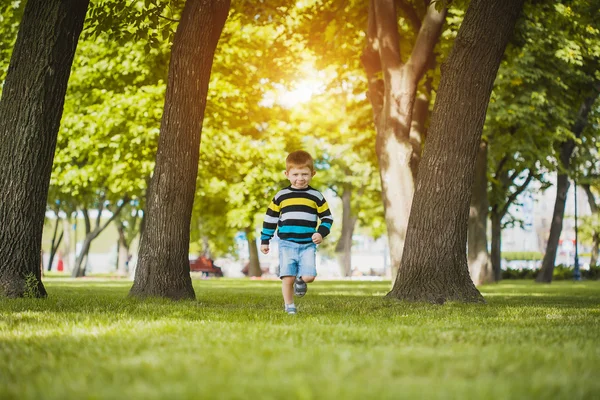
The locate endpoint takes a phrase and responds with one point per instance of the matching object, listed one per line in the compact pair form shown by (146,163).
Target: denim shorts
(297,259)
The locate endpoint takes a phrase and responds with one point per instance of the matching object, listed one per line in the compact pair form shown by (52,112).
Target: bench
(206,266)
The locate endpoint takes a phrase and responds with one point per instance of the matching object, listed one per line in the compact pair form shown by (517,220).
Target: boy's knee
(308,279)
(288,280)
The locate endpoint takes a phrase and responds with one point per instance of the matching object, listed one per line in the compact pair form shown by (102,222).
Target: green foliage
(545,75)
(108,137)
(10,17)
(348,341)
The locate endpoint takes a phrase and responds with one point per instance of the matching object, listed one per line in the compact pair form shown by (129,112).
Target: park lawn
(88,340)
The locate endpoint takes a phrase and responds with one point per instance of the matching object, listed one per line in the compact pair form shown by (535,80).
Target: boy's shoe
(300,287)
(290,309)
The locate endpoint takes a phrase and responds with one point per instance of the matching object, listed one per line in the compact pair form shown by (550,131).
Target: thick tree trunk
(344,245)
(562,188)
(30,111)
(393,110)
(434,263)
(163,266)
(254,263)
(596,236)
(478,256)
(496,256)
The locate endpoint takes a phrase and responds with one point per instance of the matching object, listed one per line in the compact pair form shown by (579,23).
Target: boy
(293,212)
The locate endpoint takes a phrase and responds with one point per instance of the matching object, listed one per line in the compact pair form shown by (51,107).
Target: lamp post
(576,272)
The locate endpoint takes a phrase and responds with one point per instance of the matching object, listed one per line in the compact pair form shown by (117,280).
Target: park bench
(206,266)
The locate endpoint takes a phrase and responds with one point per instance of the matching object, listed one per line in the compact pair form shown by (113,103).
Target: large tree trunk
(478,256)
(562,188)
(496,256)
(163,266)
(344,245)
(596,236)
(393,109)
(254,263)
(434,264)
(30,111)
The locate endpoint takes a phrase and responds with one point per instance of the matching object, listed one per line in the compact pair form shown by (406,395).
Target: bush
(561,273)
(592,274)
(522,255)
(511,273)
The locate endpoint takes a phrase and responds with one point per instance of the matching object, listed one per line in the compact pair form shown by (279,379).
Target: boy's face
(300,177)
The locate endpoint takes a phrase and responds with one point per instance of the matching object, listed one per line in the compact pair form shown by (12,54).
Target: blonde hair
(299,159)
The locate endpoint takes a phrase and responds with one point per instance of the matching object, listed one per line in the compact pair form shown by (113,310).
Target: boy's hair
(299,159)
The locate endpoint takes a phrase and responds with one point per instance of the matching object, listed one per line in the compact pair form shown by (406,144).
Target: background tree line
(373,113)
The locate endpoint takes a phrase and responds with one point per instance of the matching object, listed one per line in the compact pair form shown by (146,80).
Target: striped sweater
(294,212)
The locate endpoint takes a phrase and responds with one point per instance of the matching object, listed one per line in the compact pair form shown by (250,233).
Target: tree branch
(500,166)
(591,198)
(429,34)
(516,194)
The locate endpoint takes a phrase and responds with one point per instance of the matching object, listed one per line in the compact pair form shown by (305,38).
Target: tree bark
(163,265)
(434,263)
(344,244)
(478,256)
(596,235)
(393,109)
(496,256)
(30,111)
(562,188)
(254,263)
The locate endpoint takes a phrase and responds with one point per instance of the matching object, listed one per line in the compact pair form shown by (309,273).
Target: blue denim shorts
(297,259)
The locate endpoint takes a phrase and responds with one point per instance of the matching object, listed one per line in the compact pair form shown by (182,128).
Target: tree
(562,185)
(108,136)
(398,150)
(594,223)
(30,111)
(163,265)
(477,246)
(434,263)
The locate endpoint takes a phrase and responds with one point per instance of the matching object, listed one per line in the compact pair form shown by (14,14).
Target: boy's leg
(307,270)
(287,288)
(288,270)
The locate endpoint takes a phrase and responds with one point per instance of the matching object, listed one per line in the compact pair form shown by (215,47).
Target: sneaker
(290,310)
(300,287)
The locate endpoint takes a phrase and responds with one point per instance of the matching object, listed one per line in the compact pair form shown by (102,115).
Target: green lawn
(87,340)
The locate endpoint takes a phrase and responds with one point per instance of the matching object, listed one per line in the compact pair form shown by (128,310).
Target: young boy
(293,212)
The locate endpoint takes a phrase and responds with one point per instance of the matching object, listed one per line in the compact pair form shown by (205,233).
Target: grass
(88,340)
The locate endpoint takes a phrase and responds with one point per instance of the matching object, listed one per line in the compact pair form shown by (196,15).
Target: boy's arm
(270,222)
(326,219)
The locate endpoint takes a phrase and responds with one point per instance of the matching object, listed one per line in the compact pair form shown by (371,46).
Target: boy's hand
(264,248)
(317,238)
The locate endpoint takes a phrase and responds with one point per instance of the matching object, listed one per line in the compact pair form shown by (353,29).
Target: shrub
(522,255)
